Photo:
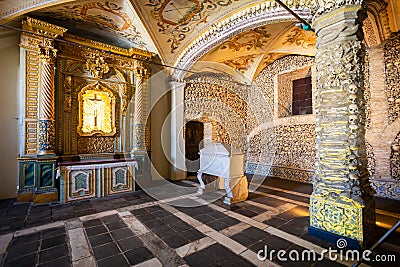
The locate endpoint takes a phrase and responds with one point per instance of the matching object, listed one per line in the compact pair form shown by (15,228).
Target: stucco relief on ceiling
(178,18)
(113,17)
(300,37)
(242,63)
(256,39)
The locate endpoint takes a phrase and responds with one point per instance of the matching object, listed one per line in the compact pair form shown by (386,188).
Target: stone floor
(183,228)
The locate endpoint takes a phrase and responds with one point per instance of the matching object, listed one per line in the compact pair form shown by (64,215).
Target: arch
(235,24)
(377,13)
(21,7)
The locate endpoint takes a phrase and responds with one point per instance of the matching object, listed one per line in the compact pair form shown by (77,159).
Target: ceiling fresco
(175,23)
(102,19)
(241,63)
(169,27)
(251,51)
(10,9)
(171,24)
(256,39)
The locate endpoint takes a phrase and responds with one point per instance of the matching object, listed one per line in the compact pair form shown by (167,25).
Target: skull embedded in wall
(353,119)
(352,88)
(353,109)
(353,165)
(353,98)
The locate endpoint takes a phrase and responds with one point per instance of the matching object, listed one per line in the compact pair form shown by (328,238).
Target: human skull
(352,88)
(352,119)
(353,109)
(353,98)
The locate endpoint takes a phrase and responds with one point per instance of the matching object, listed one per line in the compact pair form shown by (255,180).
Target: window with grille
(302,96)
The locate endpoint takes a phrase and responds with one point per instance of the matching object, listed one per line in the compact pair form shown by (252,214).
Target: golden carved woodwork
(131,52)
(96,144)
(88,106)
(48,55)
(97,66)
(67,94)
(96,111)
(43,28)
(32,84)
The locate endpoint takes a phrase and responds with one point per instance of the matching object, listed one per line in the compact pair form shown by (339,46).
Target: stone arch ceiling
(168,27)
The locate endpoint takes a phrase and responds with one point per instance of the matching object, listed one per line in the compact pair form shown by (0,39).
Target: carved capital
(341,25)
(47,55)
(327,6)
(141,70)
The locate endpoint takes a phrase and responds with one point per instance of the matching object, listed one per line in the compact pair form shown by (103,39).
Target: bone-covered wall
(257,119)
(221,102)
(280,140)
(384,131)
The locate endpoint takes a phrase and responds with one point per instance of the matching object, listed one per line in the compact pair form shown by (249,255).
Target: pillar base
(343,217)
(144,164)
(333,238)
(38,197)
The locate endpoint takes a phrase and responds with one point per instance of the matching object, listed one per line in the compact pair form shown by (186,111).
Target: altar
(84,125)
(226,164)
(95,178)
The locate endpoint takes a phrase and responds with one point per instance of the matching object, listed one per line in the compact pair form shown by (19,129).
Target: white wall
(9,68)
(160,125)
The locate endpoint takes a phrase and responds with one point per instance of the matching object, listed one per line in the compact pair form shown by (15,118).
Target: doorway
(194,134)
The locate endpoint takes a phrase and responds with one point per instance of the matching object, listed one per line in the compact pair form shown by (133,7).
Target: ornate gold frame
(101,88)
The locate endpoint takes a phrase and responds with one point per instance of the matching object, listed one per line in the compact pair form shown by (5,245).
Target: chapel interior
(199,132)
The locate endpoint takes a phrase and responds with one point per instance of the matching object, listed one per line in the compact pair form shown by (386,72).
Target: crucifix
(96,101)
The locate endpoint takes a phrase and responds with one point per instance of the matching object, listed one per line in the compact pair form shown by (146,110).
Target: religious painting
(96,112)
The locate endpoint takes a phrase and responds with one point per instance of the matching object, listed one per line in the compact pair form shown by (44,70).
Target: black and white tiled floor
(137,230)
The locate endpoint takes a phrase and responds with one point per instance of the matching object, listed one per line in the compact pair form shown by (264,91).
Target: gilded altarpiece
(76,117)
(91,110)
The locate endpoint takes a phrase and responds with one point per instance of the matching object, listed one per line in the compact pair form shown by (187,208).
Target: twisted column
(46,102)
(342,192)
(141,112)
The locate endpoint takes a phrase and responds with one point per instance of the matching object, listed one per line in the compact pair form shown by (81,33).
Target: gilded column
(46,102)
(37,161)
(342,201)
(141,112)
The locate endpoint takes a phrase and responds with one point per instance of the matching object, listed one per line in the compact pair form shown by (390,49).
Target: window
(302,96)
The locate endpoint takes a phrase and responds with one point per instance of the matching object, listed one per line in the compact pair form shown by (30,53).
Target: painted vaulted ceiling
(169,27)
